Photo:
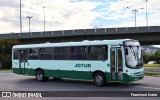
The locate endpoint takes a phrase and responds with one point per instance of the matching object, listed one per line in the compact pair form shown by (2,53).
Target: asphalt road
(14,82)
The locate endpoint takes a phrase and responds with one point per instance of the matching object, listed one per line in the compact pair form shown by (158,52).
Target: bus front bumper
(130,78)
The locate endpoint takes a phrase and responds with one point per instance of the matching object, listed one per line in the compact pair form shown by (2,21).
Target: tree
(146,58)
(6,52)
(157,56)
(152,57)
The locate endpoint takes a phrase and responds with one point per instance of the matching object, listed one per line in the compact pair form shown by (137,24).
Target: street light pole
(146,13)
(29,17)
(20,19)
(135,12)
(44,18)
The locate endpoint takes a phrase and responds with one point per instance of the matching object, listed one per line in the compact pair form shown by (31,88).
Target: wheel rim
(39,76)
(99,79)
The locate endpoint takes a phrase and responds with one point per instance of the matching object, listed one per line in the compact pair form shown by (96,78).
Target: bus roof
(85,42)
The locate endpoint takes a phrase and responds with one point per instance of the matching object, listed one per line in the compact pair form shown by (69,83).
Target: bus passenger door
(23,60)
(116,64)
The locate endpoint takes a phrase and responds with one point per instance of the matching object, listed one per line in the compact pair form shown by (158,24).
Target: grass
(6,70)
(151,65)
(152,73)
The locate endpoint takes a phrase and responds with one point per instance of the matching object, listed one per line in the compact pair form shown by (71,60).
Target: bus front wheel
(40,75)
(99,79)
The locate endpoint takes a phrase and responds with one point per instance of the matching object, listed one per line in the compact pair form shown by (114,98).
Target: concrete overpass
(146,35)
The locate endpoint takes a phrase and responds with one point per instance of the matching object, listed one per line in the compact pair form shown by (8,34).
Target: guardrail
(95,31)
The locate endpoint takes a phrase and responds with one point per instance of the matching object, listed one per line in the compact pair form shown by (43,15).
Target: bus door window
(23,56)
(113,64)
(116,64)
(119,59)
(120,64)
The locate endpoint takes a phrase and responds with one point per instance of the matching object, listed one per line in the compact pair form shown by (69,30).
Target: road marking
(147,87)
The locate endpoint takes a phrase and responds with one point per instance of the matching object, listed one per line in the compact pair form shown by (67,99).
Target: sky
(76,14)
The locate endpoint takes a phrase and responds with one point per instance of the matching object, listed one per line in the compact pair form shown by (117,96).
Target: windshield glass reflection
(133,54)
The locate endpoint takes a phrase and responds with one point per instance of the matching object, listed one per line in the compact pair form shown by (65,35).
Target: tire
(99,79)
(40,75)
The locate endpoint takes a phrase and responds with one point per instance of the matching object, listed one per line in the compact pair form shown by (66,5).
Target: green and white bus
(100,61)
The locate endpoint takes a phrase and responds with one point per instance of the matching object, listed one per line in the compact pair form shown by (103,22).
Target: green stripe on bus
(86,75)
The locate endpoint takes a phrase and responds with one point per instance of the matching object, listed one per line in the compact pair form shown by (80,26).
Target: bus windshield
(133,54)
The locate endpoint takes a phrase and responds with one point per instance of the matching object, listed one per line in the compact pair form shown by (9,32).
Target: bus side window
(74,53)
(71,53)
(33,53)
(105,52)
(61,53)
(78,53)
(83,53)
(98,52)
(15,54)
(46,53)
(92,53)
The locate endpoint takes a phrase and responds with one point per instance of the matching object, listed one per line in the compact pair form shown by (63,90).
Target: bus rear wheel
(40,75)
(99,79)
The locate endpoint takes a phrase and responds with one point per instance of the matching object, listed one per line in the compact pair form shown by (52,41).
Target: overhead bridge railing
(78,32)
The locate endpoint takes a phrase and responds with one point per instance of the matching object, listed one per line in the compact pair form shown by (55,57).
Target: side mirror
(126,51)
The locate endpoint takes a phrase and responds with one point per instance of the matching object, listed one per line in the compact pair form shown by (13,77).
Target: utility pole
(29,17)
(135,12)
